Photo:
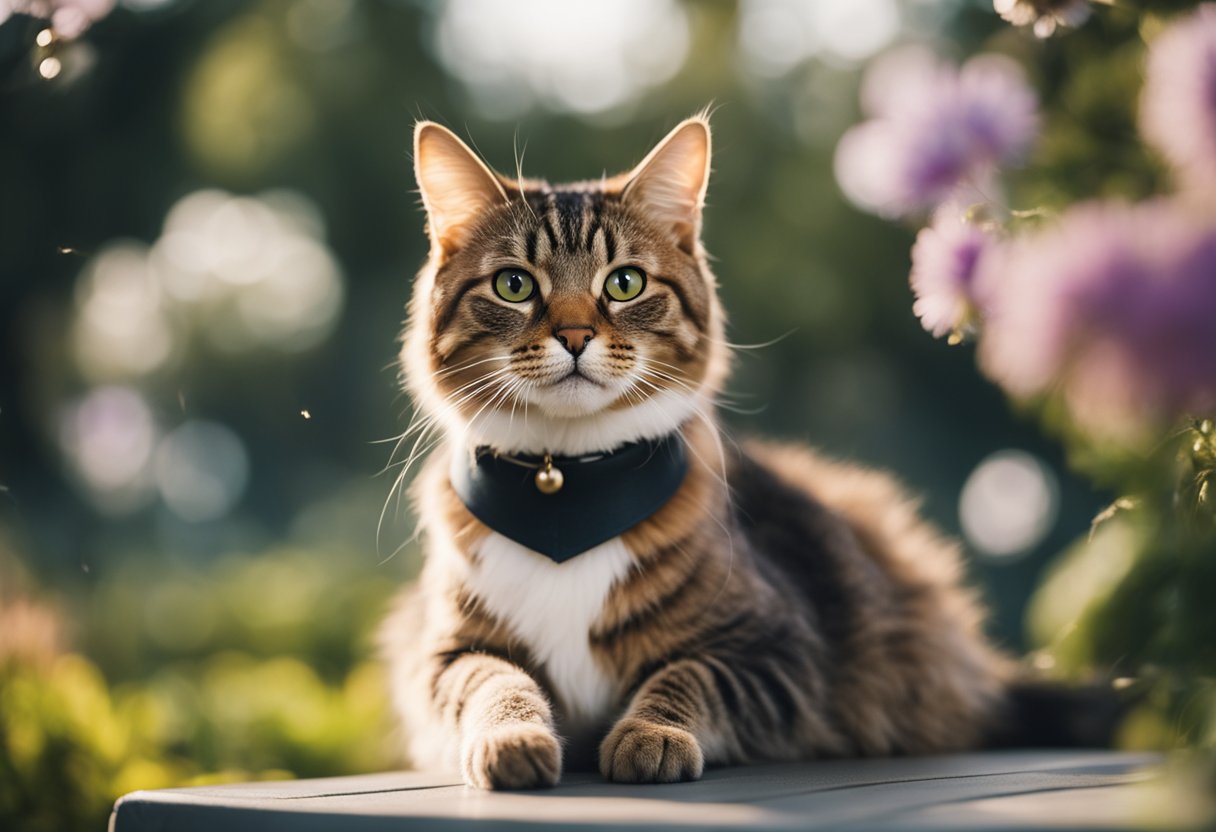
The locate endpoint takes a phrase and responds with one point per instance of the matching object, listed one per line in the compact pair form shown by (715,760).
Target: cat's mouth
(576,376)
(575,394)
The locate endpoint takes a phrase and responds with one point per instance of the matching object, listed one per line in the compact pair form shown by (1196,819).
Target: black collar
(600,495)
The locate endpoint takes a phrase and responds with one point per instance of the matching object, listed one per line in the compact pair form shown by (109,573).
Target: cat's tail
(1044,714)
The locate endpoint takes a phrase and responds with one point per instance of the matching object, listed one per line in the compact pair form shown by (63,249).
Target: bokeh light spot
(775,36)
(576,57)
(250,271)
(108,438)
(50,67)
(1008,504)
(121,329)
(201,470)
(244,107)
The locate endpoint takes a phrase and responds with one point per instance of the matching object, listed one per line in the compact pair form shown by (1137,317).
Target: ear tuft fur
(670,182)
(456,186)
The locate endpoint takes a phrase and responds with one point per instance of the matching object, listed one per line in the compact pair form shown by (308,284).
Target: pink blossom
(1044,15)
(999,109)
(1113,308)
(945,262)
(1178,104)
(933,130)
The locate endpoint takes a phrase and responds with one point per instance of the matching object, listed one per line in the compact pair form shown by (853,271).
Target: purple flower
(945,263)
(1178,105)
(934,129)
(69,18)
(1044,15)
(998,108)
(1114,309)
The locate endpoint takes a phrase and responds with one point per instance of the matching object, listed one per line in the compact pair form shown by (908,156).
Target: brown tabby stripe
(594,226)
(569,219)
(610,243)
(537,200)
(517,695)
(530,241)
(697,316)
(550,231)
(569,206)
(443,318)
(672,595)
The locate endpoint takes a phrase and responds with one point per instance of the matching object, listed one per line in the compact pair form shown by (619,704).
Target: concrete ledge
(998,790)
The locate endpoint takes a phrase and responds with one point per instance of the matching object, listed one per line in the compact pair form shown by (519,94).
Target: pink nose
(574,339)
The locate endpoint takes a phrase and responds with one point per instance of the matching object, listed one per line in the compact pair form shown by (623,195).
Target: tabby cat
(692,603)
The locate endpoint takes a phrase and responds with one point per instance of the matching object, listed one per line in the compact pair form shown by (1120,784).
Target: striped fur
(780,606)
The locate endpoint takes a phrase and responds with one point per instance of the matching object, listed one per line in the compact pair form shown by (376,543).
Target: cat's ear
(456,186)
(669,184)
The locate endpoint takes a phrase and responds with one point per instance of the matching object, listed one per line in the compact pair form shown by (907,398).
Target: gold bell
(549,480)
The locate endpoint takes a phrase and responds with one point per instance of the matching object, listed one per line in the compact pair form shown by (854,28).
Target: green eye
(514,285)
(625,283)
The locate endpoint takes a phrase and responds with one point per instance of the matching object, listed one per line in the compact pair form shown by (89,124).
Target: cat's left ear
(456,186)
(669,184)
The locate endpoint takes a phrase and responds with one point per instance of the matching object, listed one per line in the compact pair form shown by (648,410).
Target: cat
(698,602)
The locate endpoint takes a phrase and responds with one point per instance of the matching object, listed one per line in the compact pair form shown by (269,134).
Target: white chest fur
(550,607)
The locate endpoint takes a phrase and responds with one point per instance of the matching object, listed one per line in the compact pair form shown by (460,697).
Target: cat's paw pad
(637,751)
(515,757)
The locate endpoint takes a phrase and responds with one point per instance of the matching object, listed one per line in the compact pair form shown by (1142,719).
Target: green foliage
(65,751)
(70,744)
(1135,602)
(256,668)
(314,606)
(1134,598)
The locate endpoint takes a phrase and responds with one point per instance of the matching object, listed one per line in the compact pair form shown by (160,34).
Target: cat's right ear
(670,182)
(456,186)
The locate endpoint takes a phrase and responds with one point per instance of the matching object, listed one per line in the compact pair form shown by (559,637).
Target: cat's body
(777,606)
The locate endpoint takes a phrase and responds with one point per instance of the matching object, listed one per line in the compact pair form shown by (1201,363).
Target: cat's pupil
(515,283)
(622,281)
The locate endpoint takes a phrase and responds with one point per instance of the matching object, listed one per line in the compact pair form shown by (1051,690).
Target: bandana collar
(562,506)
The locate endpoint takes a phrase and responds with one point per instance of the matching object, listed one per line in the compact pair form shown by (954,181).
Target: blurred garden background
(208,231)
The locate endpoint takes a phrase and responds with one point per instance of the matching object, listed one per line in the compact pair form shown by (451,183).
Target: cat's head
(564,318)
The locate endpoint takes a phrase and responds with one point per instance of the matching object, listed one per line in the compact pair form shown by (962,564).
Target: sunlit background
(208,235)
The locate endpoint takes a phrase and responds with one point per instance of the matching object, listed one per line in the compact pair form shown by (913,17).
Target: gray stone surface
(998,790)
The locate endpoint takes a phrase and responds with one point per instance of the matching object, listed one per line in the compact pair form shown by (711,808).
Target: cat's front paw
(521,756)
(637,751)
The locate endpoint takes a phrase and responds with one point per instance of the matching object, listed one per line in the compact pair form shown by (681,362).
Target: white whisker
(425,440)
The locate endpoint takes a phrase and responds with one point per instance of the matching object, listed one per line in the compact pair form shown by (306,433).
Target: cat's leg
(503,721)
(674,717)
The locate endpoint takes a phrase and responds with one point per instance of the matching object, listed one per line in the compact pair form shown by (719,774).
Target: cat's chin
(541,429)
(574,397)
